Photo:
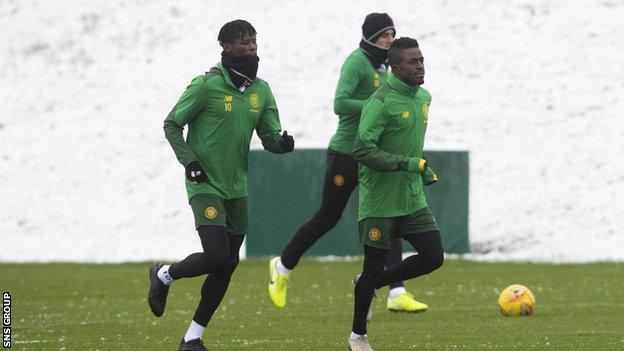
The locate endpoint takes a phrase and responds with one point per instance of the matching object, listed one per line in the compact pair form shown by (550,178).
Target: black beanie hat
(374,25)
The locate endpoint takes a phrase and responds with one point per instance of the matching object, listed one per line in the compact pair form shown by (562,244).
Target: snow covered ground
(533,89)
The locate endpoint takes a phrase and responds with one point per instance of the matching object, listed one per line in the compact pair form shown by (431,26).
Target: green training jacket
(392,130)
(221,120)
(358,81)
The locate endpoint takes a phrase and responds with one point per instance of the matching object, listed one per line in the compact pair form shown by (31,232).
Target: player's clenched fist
(286,142)
(195,173)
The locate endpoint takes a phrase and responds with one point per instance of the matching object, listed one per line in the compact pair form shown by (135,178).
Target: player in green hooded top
(222,109)
(389,147)
(363,72)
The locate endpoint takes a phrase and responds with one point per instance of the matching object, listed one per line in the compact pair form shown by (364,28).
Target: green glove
(429,177)
(417,165)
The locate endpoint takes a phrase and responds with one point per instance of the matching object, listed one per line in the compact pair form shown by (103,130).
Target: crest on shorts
(211,212)
(339,180)
(374,234)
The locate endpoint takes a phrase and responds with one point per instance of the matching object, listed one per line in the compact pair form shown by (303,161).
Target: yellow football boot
(277,285)
(405,303)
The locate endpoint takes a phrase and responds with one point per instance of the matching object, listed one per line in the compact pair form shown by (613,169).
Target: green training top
(358,81)
(392,130)
(221,120)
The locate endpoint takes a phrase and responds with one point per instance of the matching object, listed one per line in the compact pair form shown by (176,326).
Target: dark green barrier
(285,191)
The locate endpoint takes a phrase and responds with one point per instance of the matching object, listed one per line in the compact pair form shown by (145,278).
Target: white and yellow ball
(516,300)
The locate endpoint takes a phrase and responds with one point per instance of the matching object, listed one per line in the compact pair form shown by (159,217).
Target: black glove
(195,173)
(286,142)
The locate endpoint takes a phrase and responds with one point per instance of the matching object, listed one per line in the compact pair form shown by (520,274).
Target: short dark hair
(395,52)
(235,30)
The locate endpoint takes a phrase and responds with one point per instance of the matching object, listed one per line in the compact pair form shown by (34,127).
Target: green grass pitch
(103,307)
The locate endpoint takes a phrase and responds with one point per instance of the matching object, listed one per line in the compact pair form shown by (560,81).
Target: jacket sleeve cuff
(417,165)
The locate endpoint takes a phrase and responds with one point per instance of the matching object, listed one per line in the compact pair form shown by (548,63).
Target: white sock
(163,274)
(195,331)
(281,269)
(355,336)
(394,292)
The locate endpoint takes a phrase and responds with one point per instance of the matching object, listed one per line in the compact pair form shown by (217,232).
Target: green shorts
(213,210)
(378,232)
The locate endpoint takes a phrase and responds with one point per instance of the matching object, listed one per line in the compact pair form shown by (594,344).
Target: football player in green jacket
(392,173)
(222,108)
(363,72)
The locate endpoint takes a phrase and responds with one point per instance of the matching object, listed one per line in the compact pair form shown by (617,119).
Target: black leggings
(219,260)
(429,258)
(341,178)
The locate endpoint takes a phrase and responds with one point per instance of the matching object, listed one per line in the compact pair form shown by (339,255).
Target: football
(516,300)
